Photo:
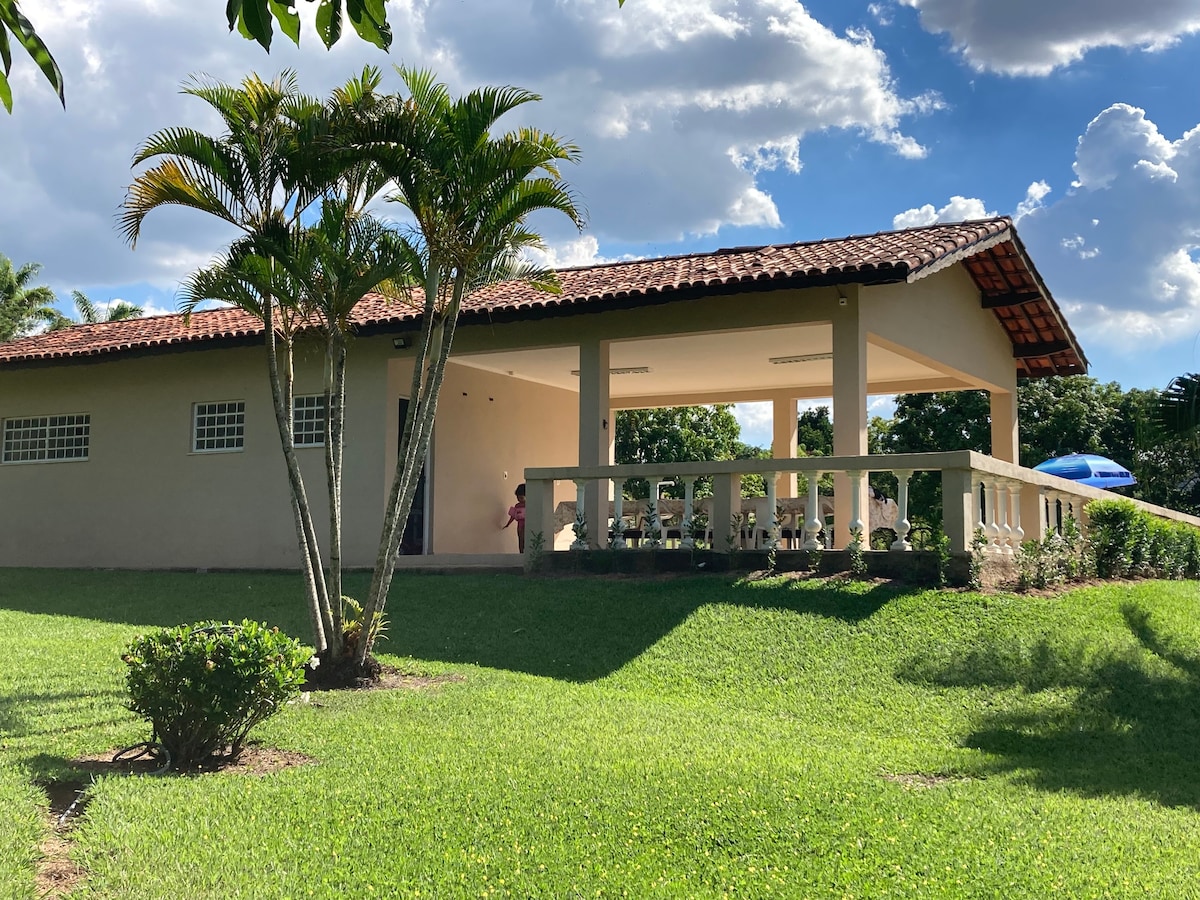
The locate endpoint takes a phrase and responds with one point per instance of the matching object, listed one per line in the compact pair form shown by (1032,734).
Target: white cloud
(1034,195)
(1034,37)
(679,105)
(959,209)
(1120,250)
(756,422)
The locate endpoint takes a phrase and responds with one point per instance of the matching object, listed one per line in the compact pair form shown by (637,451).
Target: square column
(1006,435)
(595,434)
(784,416)
(849,408)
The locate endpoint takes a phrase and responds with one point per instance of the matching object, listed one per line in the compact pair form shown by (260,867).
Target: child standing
(516,513)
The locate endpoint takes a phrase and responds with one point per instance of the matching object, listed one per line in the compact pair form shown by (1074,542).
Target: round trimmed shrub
(203,687)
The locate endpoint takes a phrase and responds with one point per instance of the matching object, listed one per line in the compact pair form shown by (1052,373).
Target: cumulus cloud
(1034,37)
(680,107)
(1121,251)
(1035,194)
(959,209)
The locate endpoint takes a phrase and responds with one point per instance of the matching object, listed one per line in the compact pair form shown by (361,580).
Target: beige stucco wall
(142,498)
(938,321)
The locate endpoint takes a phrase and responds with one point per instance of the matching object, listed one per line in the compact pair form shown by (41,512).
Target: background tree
(90,314)
(24,307)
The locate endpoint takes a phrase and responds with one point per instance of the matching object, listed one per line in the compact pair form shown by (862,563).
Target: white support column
(784,419)
(581,518)
(902,523)
(1006,442)
(812,514)
(618,540)
(687,524)
(595,426)
(849,404)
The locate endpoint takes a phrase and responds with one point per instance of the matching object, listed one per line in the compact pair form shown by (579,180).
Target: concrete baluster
(812,519)
(903,525)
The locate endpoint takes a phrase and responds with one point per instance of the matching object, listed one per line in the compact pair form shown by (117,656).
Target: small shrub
(1114,537)
(203,688)
(854,551)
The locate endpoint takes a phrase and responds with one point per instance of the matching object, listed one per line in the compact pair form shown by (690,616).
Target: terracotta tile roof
(988,248)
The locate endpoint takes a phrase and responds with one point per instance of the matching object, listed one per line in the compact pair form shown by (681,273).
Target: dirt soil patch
(920,780)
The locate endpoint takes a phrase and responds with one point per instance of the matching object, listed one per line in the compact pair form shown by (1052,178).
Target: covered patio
(946,307)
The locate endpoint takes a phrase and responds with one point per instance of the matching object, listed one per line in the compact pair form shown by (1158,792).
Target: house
(152,442)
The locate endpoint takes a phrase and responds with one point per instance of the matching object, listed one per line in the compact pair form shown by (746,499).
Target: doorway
(415,538)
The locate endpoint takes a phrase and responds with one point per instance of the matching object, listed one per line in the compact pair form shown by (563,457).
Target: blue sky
(704,124)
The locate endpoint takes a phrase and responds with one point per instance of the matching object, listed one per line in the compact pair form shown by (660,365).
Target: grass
(695,737)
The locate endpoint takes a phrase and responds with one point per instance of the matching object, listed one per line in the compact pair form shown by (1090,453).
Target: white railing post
(653,537)
(618,538)
(979,498)
(1018,533)
(812,518)
(856,523)
(687,525)
(580,526)
(902,523)
(992,529)
(772,525)
(1002,509)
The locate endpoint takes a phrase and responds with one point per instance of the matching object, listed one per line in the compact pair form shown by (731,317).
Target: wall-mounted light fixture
(803,358)
(627,370)
(400,343)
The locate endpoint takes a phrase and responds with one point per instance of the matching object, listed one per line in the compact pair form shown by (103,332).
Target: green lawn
(696,737)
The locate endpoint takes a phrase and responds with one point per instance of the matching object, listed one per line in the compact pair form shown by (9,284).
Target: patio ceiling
(714,367)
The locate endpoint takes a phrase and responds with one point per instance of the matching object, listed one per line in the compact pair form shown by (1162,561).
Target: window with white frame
(47,438)
(308,420)
(219,427)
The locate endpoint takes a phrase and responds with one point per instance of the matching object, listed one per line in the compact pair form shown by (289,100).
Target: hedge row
(1127,541)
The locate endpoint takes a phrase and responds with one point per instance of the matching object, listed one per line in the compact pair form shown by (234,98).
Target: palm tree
(260,175)
(90,314)
(469,193)
(25,308)
(1178,412)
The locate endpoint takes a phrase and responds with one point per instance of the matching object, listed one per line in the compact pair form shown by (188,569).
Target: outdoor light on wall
(807,357)
(400,343)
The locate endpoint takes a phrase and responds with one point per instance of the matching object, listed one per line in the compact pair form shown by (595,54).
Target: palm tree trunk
(335,399)
(306,538)
(428,375)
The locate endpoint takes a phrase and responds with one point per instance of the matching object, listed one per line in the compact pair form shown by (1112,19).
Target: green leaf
(257,21)
(370,21)
(288,19)
(5,93)
(22,30)
(233,10)
(5,52)
(329,22)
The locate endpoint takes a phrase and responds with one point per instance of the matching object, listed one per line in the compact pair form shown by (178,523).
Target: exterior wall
(938,321)
(489,429)
(142,499)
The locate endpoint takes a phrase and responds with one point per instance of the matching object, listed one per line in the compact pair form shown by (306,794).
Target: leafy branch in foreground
(13,22)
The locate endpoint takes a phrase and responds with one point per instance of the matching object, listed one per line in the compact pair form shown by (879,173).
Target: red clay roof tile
(989,249)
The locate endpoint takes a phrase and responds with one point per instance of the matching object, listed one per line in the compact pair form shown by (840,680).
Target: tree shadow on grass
(577,629)
(585,628)
(1131,727)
